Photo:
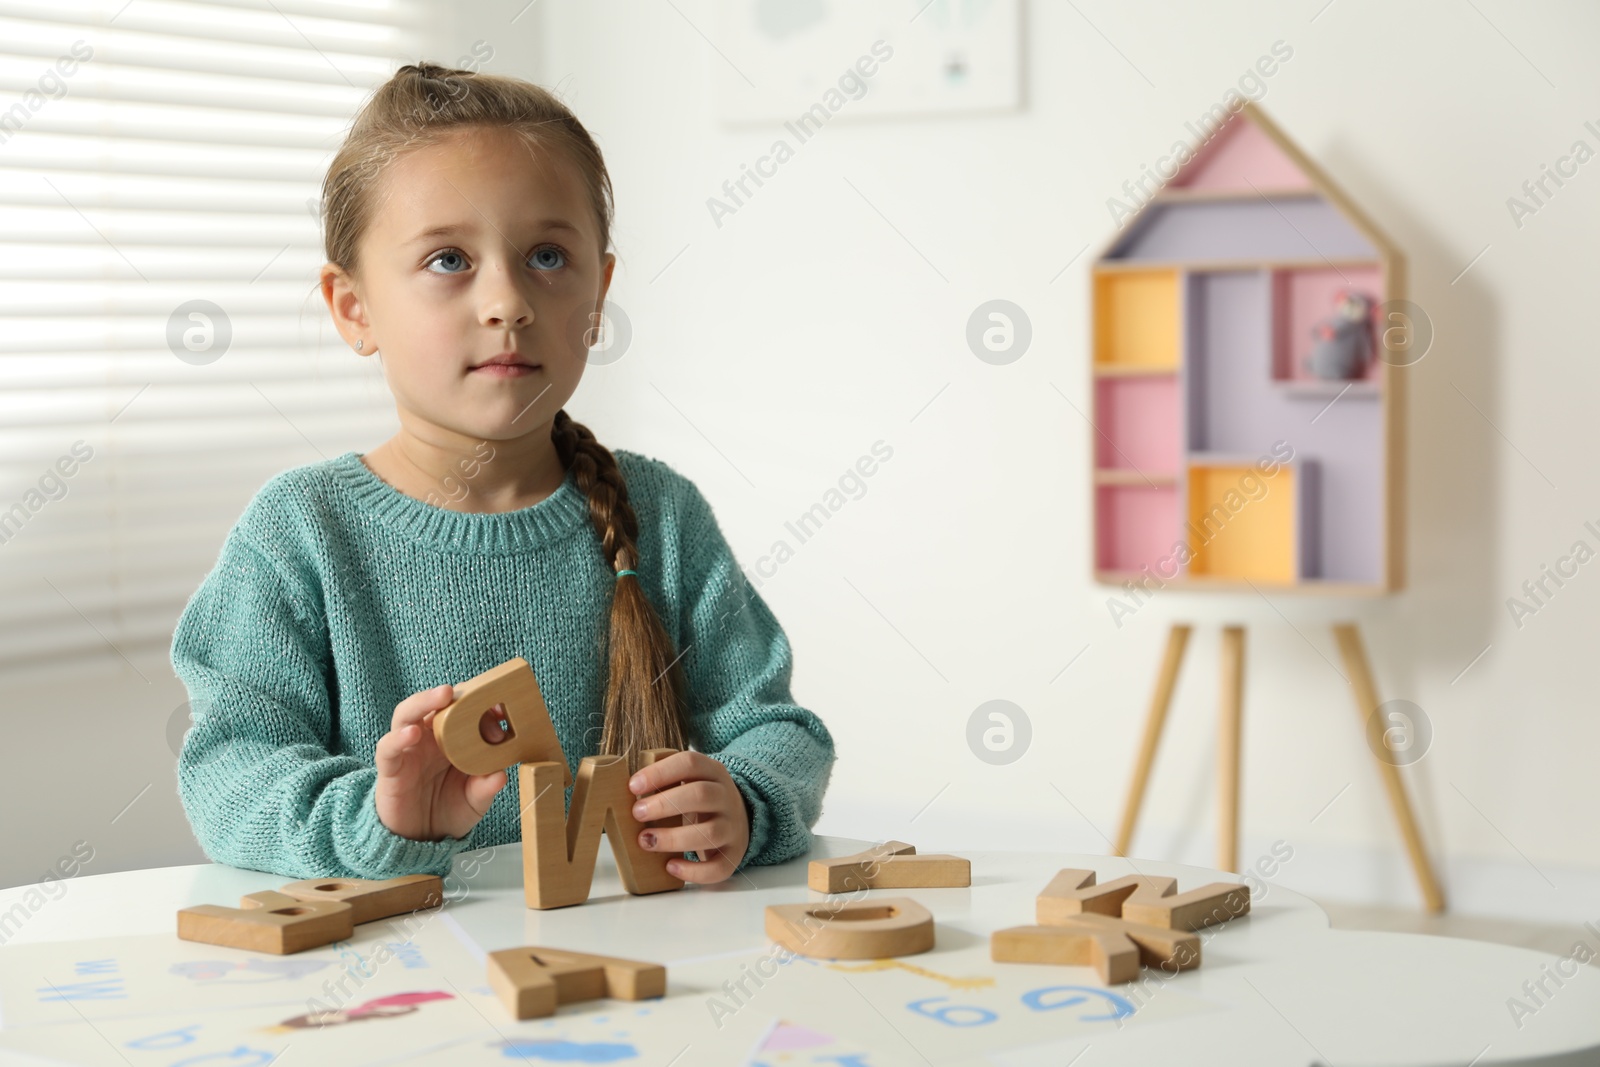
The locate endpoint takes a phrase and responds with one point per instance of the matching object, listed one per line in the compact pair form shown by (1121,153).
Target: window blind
(160,175)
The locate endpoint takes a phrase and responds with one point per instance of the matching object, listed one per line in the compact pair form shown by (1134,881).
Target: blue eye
(548,258)
(442,256)
(544,256)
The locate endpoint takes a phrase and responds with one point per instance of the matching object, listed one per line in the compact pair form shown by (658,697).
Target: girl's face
(478,246)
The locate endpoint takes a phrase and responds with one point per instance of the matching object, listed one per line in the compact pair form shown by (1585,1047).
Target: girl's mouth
(505,370)
(508,365)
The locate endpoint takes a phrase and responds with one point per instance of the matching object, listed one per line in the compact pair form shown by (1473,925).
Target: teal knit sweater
(335,596)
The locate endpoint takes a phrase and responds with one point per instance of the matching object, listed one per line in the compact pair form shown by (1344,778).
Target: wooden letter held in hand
(891,865)
(531,982)
(372,900)
(859,930)
(558,856)
(532,736)
(268,922)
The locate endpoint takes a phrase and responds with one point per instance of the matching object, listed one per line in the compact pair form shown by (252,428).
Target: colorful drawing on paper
(956,1003)
(561,1050)
(974,982)
(254,970)
(389,1007)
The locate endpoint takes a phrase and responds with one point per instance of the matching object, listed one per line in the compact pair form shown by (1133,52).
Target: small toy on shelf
(1343,341)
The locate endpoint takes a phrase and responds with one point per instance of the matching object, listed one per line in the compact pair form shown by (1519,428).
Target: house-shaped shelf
(1222,458)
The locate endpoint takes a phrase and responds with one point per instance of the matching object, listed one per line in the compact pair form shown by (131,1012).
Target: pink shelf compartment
(1138,422)
(1135,525)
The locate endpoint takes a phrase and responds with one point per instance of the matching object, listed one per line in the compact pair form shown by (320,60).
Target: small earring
(359,345)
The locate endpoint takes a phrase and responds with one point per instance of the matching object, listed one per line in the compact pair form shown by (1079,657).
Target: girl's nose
(504,304)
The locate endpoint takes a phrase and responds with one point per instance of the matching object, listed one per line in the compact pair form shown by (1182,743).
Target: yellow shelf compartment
(1137,315)
(1242,524)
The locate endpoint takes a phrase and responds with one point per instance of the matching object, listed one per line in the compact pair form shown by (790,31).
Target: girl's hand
(716,824)
(420,794)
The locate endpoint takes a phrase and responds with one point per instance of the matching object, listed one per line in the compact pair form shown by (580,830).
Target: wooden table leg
(1155,720)
(1366,694)
(1228,729)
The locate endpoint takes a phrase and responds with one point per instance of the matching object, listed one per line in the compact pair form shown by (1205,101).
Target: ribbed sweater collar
(495,533)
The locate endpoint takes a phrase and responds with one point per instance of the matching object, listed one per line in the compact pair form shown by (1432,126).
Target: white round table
(96,974)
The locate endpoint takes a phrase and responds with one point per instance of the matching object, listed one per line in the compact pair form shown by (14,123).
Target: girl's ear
(344,303)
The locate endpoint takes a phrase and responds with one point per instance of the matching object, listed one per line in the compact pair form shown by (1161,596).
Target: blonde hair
(415,108)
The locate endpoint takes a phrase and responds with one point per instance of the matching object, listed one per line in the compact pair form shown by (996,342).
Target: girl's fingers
(714,869)
(679,767)
(481,789)
(698,837)
(392,748)
(417,706)
(685,799)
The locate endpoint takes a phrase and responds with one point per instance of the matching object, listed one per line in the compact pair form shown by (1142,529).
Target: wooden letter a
(532,982)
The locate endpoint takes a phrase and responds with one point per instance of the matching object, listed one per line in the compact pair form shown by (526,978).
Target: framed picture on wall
(806,62)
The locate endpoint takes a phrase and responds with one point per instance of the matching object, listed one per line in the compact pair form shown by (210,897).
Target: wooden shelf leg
(1228,730)
(1366,695)
(1155,720)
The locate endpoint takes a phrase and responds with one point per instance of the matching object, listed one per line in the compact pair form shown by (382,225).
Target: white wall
(776,349)
(784,343)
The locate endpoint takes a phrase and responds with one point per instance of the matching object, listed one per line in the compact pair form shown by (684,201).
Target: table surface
(1277,986)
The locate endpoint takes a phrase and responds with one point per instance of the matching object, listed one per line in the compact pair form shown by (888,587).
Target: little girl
(467,218)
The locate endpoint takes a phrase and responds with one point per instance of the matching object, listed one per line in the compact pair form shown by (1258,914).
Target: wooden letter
(1110,952)
(1073,892)
(891,865)
(372,899)
(859,930)
(1119,925)
(268,922)
(532,735)
(1173,950)
(843,873)
(531,982)
(1210,904)
(558,856)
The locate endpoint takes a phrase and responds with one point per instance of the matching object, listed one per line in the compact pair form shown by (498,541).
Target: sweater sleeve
(737,665)
(256,776)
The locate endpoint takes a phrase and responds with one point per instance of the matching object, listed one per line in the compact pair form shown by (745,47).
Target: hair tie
(621,573)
